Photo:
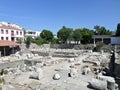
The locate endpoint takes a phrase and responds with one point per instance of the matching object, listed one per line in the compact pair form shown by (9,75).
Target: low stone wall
(35,46)
(109,48)
(84,47)
(62,46)
(106,48)
(63,54)
(66,53)
(31,62)
(40,53)
(72,46)
(17,63)
(12,64)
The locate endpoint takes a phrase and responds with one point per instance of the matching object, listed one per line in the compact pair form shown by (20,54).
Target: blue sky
(53,14)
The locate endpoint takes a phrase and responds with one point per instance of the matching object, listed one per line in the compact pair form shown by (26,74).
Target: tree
(101,30)
(47,35)
(19,40)
(86,35)
(24,31)
(77,35)
(64,34)
(28,42)
(118,30)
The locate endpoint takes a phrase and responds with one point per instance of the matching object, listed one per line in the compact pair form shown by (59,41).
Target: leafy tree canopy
(101,30)
(86,35)
(46,35)
(64,34)
(77,34)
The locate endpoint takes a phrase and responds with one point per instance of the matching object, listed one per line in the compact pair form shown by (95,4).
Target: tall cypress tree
(118,30)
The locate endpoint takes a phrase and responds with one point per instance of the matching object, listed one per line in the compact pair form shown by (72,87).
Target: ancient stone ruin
(60,69)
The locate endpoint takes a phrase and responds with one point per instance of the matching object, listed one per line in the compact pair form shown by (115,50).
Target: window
(2,31)
(2,38)
(12,32)
(6,31)
(17,32)
(6,38)
(20,33)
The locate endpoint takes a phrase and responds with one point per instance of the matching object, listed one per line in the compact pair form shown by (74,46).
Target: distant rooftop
(7,25)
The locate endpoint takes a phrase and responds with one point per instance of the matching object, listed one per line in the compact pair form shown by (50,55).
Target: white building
(115,40)
(11,32)
(32,34)
(107,39)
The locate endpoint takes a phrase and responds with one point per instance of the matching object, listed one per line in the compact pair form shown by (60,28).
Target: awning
(8,43)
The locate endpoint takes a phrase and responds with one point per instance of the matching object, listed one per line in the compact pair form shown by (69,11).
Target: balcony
(13,35)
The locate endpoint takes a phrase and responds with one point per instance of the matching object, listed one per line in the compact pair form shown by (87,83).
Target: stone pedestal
(73,72)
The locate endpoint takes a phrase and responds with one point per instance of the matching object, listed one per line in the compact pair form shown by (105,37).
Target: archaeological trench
(45,68)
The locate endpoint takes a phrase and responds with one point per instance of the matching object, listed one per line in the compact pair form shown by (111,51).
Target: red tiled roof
(9,27)
(8,43)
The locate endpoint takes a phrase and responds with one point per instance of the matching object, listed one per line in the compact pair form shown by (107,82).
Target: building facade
(33,34)
(106,39)
(115,40)
(11,32)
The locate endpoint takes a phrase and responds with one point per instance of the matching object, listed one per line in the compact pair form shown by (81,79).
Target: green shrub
(99,44)
(40,41)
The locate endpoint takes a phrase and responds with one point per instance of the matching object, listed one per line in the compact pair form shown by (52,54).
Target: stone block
(8,87)
(56,76)
(98,84)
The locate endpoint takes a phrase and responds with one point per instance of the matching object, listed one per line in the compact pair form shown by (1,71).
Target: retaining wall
(12,64)
(17,63)
(106,48)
